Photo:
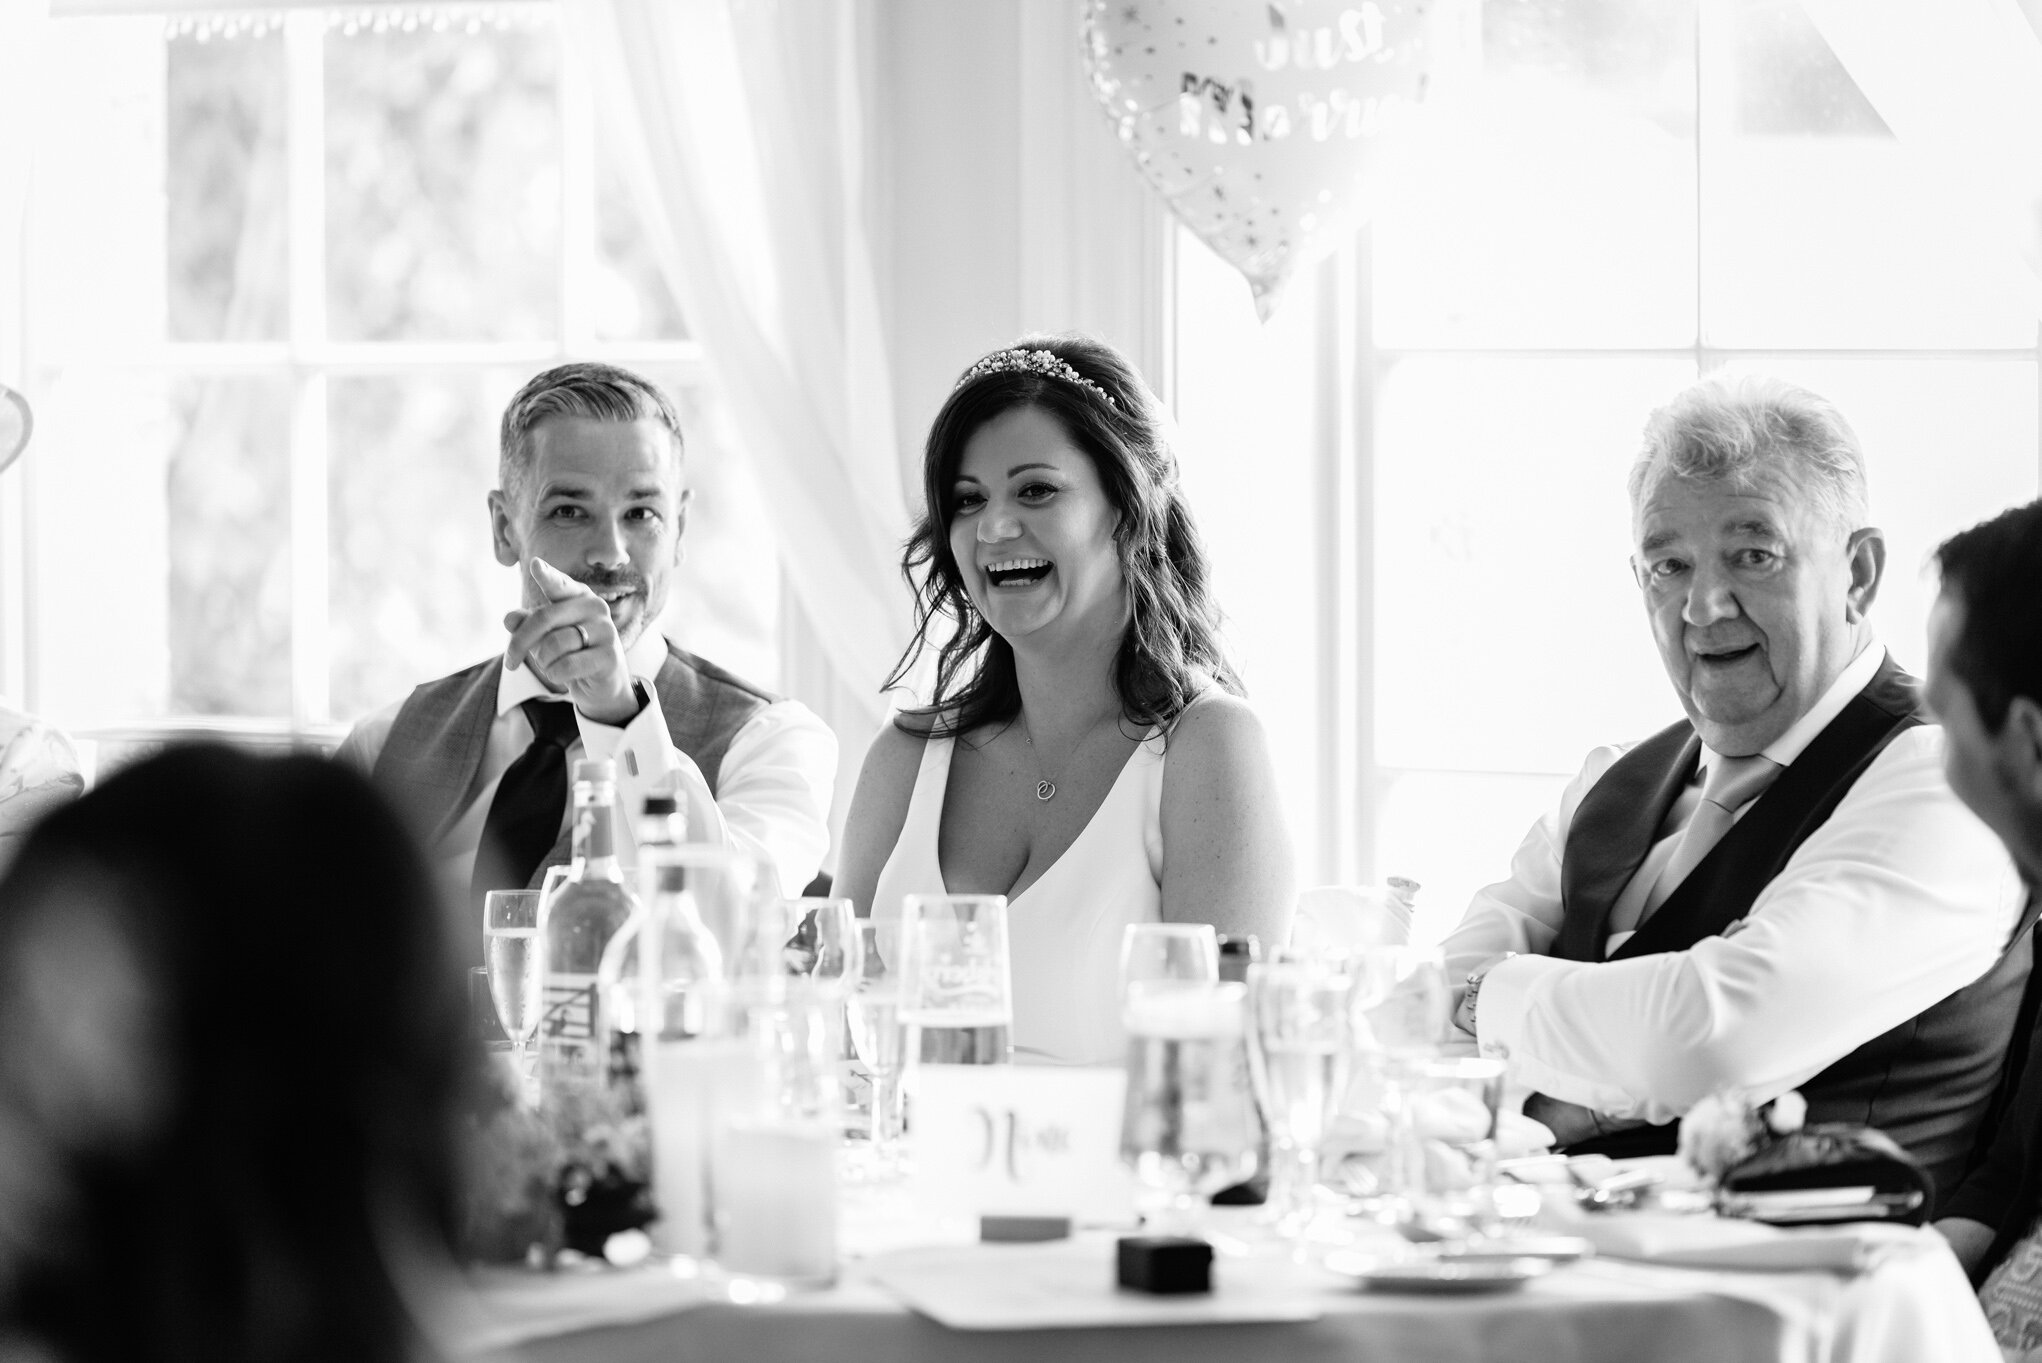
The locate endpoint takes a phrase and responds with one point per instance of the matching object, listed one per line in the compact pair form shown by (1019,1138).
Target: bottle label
(567,1030)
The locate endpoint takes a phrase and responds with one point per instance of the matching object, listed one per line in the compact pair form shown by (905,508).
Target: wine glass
(877,1034)
(1301,1036)
(1188,1127)
(515,960)
(825,941)
(959,996)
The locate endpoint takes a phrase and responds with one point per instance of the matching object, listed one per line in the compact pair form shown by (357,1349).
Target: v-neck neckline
(1012,895)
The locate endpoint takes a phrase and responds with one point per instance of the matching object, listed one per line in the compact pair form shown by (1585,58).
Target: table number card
(1019,1140)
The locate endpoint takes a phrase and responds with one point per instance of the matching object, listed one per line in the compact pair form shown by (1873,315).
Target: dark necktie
(524,818)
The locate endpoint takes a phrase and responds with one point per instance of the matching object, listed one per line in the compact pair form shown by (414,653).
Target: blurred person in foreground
(230,1053)
(1985,684)
(1781,891)
(1087,752)
(590,509)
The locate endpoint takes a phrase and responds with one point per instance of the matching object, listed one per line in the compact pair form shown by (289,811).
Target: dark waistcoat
(429,764)
(1925,1082)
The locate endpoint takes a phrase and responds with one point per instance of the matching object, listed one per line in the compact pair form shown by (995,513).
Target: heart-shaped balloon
(1259,123)
(16,422)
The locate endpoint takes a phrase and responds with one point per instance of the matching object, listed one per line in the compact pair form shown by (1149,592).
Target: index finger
(553,584)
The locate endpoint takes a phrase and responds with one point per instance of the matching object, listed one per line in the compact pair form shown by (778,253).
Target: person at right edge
(1985,684)
(1781,891)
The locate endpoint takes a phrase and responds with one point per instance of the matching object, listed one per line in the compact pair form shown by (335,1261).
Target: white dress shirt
(1900,898)
(773,787)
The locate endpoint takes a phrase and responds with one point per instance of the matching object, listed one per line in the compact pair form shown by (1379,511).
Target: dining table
(1671,1290)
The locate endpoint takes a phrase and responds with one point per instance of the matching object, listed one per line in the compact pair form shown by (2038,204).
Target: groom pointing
(590,509)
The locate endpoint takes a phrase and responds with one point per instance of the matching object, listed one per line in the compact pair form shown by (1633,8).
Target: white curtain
(1960,83)
(740,128)
(22,25)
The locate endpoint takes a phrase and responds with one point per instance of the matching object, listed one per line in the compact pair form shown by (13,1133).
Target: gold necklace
(1045,789)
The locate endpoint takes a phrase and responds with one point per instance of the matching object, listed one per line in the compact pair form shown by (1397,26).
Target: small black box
(1165,1264)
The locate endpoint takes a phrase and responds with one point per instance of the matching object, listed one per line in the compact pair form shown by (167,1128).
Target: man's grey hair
(1738,429)
(600,392)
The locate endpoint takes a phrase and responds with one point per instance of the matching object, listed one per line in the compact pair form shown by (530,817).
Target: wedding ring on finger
(582,631)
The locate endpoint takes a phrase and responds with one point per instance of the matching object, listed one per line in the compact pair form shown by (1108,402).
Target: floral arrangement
(1725,1129)
(566,1175)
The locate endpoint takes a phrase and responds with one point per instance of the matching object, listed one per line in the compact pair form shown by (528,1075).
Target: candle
(774,1183)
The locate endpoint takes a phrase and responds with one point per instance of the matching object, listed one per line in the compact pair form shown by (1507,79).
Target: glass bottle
(661,824)
(579,919)
(1238,951)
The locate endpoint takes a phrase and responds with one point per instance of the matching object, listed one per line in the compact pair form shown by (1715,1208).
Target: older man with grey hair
(1780,891)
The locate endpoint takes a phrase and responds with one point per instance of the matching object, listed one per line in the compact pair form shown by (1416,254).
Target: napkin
(504,1307)
(1695,1240)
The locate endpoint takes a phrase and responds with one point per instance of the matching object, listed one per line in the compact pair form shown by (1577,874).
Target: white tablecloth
(1912,1307)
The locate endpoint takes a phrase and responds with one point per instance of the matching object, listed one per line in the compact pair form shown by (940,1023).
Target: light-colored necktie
(1731,784)
(1728,785)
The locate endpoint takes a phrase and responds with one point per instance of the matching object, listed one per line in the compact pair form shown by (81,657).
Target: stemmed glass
(825,939)
(1301,1035)
(516,962)
(877,1034)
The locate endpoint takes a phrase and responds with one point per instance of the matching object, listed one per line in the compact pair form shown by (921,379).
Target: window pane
(225,185)
(1453,832)
(1553,205)
(443,184)
(415,591)
(1948,442)
(1819,228)
(1245,417)
(1509,636)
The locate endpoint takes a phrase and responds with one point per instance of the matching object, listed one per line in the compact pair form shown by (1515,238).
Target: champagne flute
(1188,1127)
(877,1034)
(1301,1050)
(516,963)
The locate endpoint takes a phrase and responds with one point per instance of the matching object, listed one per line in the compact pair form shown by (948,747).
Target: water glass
(958,999)
(1301,1035)
(1447,1146)
(516,964)
(1403,1011)
(877,1034)
(1168,953)
(1188,1128)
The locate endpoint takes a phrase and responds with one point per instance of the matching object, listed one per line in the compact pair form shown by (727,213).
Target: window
(285,269)
(1634,192)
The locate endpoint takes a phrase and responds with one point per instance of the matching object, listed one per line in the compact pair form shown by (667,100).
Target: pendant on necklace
(1045,790)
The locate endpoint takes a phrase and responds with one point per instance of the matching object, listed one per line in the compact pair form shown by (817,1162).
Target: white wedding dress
(1063,931)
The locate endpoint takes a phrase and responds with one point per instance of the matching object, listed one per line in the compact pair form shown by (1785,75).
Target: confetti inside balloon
(1259,123)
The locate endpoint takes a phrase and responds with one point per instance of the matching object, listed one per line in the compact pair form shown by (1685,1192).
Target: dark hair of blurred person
(230,1055)
(1172,644)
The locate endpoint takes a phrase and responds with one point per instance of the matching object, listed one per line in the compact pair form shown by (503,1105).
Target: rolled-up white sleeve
(772,789)
(1899,899)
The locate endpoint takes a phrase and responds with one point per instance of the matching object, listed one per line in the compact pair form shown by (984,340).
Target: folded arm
(1900,898)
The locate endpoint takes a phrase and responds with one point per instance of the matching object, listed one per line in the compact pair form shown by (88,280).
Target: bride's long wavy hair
(1172,642)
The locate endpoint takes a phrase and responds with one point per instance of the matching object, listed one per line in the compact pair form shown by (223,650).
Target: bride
(1087,752)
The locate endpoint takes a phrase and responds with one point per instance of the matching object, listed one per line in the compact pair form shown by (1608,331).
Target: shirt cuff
(1501,1018)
